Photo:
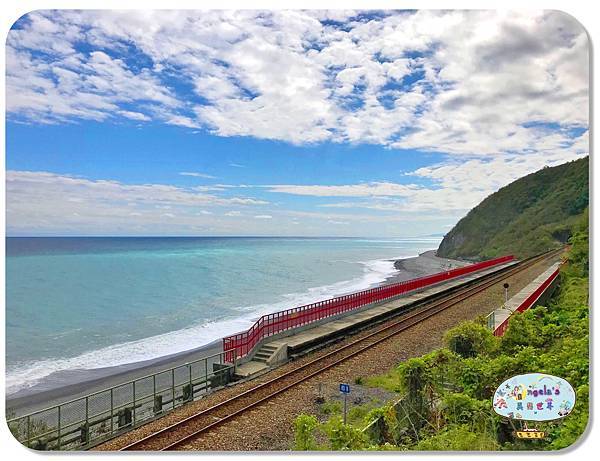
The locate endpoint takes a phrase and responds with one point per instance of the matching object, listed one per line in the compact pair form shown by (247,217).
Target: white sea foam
(30,374)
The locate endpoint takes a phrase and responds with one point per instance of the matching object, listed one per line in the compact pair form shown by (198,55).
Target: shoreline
(52,390)
(426,263)
(45,394)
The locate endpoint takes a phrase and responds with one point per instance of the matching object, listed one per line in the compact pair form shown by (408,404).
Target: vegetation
(531,215)
(447,394)
(31,432)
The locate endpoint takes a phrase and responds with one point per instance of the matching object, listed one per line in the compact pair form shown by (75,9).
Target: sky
(292,123)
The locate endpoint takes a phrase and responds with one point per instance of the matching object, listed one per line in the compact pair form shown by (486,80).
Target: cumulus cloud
(499,93)
(458,82)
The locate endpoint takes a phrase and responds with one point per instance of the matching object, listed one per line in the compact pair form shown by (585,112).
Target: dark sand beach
(425,264)
(52,390)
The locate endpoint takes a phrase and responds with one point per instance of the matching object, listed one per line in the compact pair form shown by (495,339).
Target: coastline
(48,393)
(426,263)
(52,390)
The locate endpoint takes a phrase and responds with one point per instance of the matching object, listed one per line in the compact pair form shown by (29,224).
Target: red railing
(530,301)
(241,344)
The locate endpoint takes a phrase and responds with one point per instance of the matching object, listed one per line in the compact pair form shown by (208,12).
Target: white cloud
(181,120)
(40,203)
(48,201)
(353,190)
(73,86)
(197,174)
(454,186)
(459,82)
(501,93)
(340,223)
(134,115)
(22,183)
(465,184)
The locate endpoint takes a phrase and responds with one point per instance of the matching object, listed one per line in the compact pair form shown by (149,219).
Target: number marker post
(345,389)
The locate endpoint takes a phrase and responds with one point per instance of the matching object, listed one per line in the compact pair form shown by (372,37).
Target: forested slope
(532,214)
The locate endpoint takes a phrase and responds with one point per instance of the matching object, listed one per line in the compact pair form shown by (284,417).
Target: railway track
(183,432)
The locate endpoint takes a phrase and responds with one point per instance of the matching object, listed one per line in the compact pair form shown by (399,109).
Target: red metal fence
(241,344)
(529,302)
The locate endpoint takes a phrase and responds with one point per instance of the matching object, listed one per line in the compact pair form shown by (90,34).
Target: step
(250,368)
(267,351)
(268,348)
(262,355)
(259,359)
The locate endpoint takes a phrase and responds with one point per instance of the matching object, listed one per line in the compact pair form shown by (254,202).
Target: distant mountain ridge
(530,215)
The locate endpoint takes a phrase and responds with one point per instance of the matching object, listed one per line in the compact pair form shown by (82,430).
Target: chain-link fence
(491,320)
(89,420)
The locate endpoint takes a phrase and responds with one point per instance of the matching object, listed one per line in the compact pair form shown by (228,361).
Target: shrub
(331,408)
(458,438)
(343,436)
(459,408)
(304,437)
(470,339)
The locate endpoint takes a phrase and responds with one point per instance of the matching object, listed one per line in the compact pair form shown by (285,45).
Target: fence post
(173,385)
(58,438)
(112,412)
(133,403)
(28,443)
(206,372)
(191,385)
(87,415)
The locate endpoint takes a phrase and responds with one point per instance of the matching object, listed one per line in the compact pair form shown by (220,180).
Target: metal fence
(491,320)
(89,420)
(531,300)
(239,345)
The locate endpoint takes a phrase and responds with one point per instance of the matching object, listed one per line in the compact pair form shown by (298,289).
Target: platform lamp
(506,285)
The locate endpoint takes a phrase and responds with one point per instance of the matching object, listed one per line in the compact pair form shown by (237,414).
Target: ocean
(86,303)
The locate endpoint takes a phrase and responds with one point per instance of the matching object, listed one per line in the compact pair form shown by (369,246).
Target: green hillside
(533,214)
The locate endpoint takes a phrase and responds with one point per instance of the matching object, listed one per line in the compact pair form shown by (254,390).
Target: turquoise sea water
(84,303)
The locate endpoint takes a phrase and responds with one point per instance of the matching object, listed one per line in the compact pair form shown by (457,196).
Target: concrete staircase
(268,355)
(264,353)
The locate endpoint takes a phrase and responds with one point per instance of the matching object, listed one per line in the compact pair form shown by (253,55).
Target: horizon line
(223,236)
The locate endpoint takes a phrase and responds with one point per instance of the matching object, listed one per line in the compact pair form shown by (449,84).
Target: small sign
(345,388)
(534,397)
(531,434)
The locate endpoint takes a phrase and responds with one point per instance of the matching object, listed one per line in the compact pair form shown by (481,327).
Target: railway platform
(279,348)
(535,293)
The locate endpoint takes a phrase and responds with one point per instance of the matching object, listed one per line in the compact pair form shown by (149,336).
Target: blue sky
(283,123)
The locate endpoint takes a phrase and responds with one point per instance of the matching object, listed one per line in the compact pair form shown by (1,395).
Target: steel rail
(406,320)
